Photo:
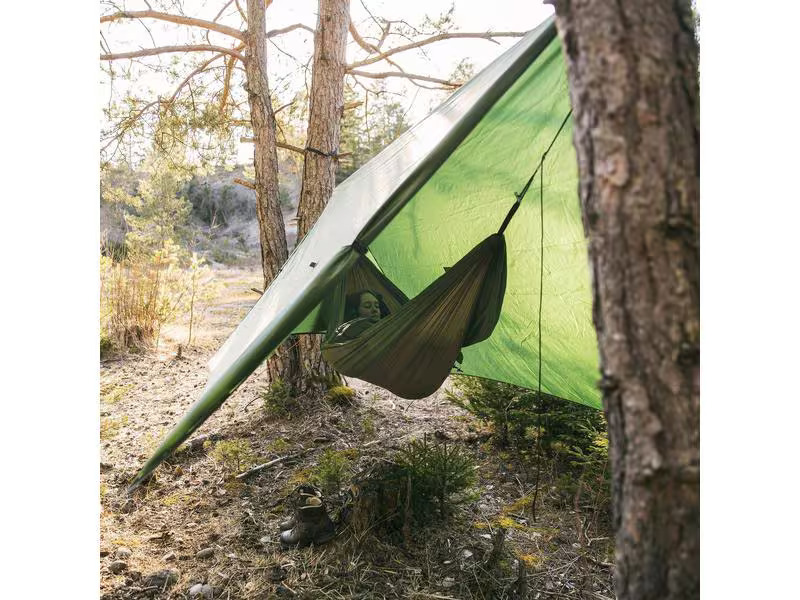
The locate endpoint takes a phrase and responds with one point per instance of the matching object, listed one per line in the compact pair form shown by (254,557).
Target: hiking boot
(287,524)
(307,496)
(312,526)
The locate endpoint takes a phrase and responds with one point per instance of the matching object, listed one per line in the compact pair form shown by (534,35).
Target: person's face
(368,307)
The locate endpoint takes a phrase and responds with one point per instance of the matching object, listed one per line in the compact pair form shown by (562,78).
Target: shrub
(340,395)
(423,481)
(509,409)
(155,280)
(517,415)
(331,470)
(106,345)
(234,456)
(279,399)
(438,474)
(142,293)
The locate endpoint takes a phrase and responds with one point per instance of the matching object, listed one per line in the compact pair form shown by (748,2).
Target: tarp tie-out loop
(520,195)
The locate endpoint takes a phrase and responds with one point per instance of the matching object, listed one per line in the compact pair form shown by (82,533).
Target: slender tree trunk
(632,68)
(283,362)
(322,145)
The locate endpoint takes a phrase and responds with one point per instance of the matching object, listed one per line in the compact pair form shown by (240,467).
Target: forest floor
(193,523)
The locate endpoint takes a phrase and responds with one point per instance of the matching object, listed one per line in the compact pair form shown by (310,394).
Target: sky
(437,60)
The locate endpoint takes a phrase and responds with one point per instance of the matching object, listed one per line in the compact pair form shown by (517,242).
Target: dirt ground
(193,524)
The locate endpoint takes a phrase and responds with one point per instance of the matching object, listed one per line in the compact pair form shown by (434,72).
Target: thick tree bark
(283,362)
(632,68)
(322,145)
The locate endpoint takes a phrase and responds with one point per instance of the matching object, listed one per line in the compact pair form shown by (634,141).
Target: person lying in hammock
(361,310)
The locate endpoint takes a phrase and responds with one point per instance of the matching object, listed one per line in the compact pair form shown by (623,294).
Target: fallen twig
(274,462)
(607,565)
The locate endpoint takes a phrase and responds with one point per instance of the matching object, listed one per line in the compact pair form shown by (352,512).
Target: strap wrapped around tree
(411,351)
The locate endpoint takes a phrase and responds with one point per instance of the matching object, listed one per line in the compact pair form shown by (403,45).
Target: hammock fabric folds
(411,351)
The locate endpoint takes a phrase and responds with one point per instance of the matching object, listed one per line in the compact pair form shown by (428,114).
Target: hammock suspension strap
(520,195)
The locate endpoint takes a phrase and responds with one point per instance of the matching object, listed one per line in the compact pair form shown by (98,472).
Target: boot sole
(317,542)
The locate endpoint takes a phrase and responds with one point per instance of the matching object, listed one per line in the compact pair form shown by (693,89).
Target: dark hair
(352,301)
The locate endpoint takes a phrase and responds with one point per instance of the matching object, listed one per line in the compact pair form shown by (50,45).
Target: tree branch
(128,123)
(167,49)
(361,41)
(180,19)
(298,149)
(227,85)
(384,75)
(370,47)
(245,183)
(430,40)
(286,146)
(288,28)
(197,71)
(222,10)
(241,12)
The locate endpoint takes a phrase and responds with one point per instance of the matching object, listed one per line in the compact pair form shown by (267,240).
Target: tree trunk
(632,69)
(322,145)
(283,362)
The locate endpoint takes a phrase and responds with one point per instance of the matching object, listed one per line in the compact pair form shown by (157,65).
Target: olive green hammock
(420,205)
(411,351)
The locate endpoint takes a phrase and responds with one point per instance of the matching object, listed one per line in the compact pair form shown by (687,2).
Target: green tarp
(422,204)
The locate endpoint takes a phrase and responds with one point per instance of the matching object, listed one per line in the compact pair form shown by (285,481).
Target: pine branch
(227,85)
(197,71)
(430,40)
(246,183)
(412,76)
(180,19)
(279,144)
(168,49)
(275,32)
(222,10)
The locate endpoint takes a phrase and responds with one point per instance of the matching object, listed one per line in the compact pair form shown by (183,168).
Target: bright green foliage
(589,461)
(332,469)
(508,408)
(234,456)
(161,212)
(516,414)
(279,399)
(341,395)
(438,474)
(422,482)
(571,438)
(571,433)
